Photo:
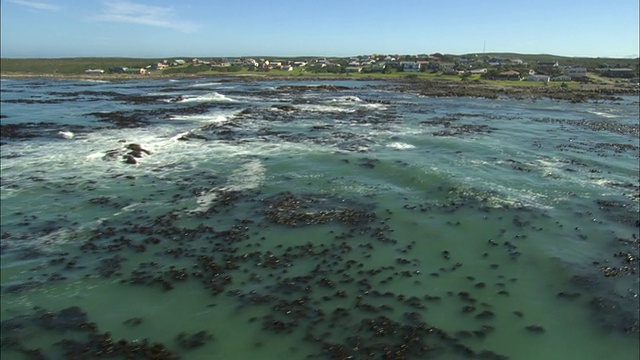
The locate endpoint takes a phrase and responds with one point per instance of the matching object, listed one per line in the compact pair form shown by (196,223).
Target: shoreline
(424,86)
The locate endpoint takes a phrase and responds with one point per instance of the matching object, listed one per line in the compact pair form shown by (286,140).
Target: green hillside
(68,66)
(592,63)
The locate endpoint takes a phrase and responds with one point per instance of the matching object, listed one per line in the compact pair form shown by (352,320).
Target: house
(548,64)
(287,68)
(249,62)
(94,71)
(178,62)
(221,63)
(353,69)
(547,67)
(423,64)
(378,67)
(160,66)
(134,70)
(562,78)
(410,66)
(446,66)
(543,78)
(618,72)
(478,71)
(509,75)
(576,72)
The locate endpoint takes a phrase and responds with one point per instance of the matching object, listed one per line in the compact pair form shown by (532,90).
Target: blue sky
(159,28)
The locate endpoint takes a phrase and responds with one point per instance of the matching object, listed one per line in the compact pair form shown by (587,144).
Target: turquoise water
(317,221)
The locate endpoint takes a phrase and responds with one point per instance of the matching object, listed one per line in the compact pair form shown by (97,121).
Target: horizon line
(629,57)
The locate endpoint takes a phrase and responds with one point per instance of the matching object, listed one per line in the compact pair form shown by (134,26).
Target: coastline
(424,86)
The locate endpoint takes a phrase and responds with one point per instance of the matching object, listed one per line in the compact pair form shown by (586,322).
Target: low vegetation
(66,66)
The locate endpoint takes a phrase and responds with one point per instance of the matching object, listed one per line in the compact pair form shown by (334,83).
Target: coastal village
(486,67)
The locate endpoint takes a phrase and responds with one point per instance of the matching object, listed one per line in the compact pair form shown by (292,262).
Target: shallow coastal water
(272,219)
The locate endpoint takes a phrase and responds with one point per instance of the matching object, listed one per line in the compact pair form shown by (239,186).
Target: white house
(250,62)
(543,78)
(410,66)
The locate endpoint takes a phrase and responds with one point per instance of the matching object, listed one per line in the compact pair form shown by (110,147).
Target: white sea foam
(325,108)
(601,182)
(247,176)
(604,114)
(66,134)
(95,81)
(401,146)
(354,101)
(204,118)
(550,163)
(504,196)
(210,97)
(346,99)
(208,84)
(53,240)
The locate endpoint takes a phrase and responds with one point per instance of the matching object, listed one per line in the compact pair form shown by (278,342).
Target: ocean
(221,218)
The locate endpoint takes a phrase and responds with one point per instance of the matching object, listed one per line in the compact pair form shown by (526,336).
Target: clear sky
(214,28)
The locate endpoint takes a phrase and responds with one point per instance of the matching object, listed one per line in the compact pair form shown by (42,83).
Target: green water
(332,220)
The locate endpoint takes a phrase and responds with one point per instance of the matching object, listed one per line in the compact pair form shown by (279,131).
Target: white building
(543,78)
(410,66)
